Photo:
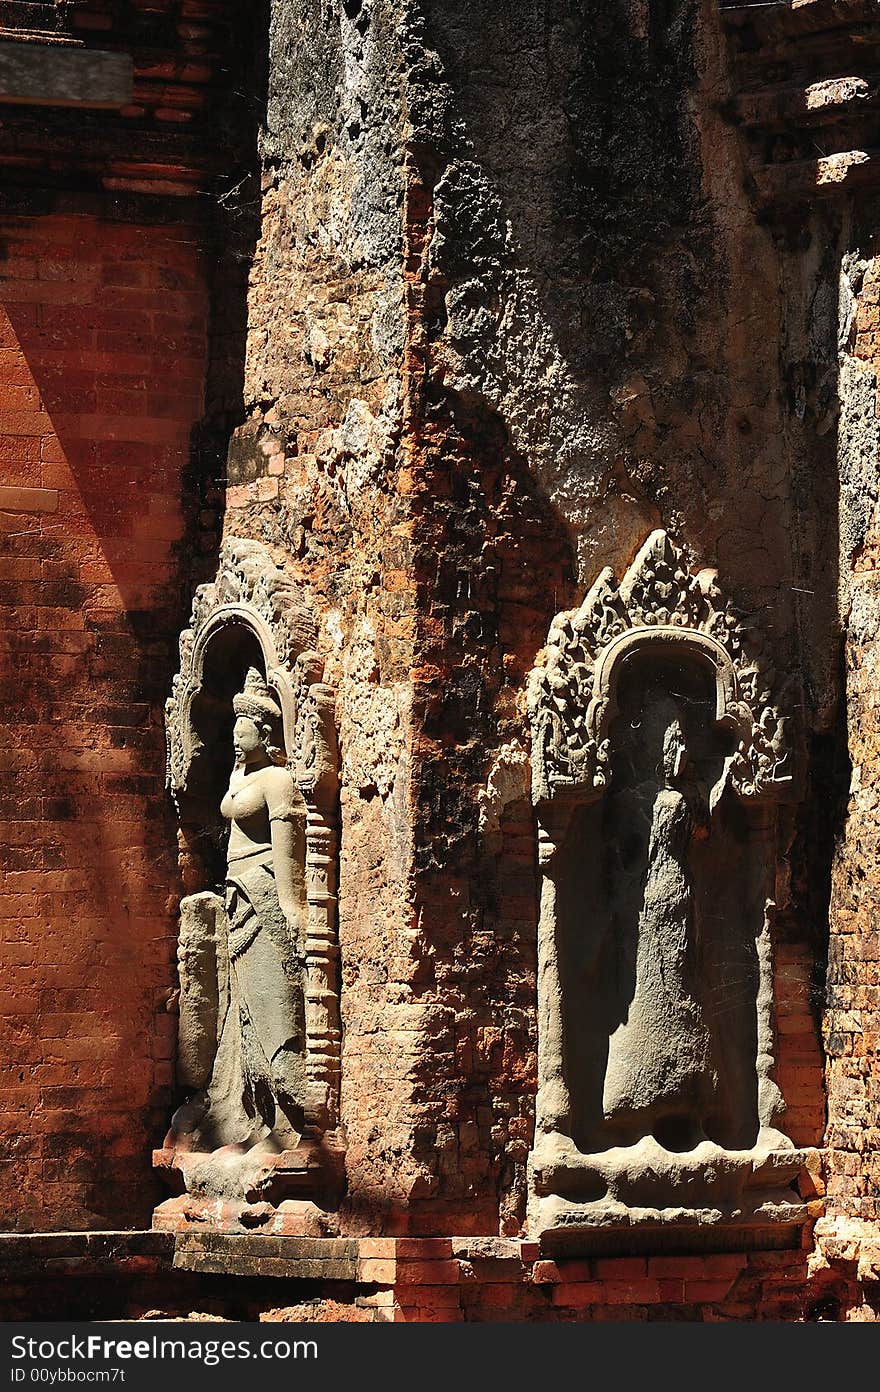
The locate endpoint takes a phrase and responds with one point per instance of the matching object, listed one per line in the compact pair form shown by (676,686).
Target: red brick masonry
(418,1279)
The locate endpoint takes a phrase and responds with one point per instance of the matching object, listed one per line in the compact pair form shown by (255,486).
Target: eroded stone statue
(255,1093)
(265,908)
(660,1074)
(659,755)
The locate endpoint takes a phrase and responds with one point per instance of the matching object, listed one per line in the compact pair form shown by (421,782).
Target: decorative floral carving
(248,581)
(248,575)
(571,702)
(315,733)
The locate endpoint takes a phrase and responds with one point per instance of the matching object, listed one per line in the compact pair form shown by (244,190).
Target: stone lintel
(669,1240)
(82,1253)
(38,74)
(826,177)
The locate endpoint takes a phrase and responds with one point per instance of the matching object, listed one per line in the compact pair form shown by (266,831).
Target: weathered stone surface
(476,301)
(258,1007)
(651,722)
(203,968)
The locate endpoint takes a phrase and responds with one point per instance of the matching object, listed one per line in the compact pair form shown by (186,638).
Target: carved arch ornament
(658,605)
(252,593)
(594,1166)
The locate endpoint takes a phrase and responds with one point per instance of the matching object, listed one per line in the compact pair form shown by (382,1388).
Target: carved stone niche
(659,759)
(252,767)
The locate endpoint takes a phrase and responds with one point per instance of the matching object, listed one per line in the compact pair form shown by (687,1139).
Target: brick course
(94,450)
(364,443)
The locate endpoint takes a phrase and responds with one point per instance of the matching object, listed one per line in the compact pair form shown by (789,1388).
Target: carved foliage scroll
(571,698)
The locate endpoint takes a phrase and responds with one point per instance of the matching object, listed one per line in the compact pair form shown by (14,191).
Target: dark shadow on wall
(591,221)
(234,232)
(594,156)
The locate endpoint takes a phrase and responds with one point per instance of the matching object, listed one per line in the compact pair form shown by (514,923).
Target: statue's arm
(284,853)
(287,819)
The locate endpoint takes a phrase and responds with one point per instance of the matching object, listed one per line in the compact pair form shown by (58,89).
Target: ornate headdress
(255,699)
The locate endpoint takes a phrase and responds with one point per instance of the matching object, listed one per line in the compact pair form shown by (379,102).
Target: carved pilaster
(322,967)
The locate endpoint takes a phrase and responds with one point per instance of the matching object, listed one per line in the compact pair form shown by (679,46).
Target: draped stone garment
(265,952)
(659,1059)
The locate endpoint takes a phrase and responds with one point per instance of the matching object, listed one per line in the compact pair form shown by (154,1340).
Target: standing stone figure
(257,1083)
(264,905)
(659,1075)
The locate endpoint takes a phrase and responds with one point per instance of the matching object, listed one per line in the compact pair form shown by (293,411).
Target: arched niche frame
(253,600)
(660,617)
(659,605)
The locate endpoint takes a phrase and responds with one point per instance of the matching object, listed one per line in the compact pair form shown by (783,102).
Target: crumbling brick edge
(834,1274)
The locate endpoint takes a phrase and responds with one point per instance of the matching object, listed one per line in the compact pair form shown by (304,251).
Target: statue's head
(674,753)
(256,712)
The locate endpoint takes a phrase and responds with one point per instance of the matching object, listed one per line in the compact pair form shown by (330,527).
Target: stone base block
(572,1229)
(647,1199)
(291,1217)
(241,1188)
(192,1271)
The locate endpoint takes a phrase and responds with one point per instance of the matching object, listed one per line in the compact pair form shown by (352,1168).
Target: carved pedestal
(659,759)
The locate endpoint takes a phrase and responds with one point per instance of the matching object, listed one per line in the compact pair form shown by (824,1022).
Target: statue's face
(246,739)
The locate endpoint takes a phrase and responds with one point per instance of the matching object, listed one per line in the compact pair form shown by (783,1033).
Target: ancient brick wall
(853,999)
(313,472)
(467,389)
(101,382)
(563,388)
(339,469)
(468,342)
(113,397)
